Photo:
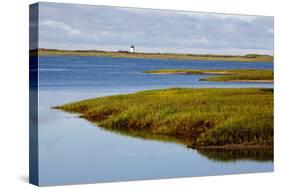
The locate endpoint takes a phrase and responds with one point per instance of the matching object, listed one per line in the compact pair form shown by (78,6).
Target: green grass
(124,54)
(194,117)
(223,75)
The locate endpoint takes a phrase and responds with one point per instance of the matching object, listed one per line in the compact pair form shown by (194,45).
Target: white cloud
(60,25)
(245,18)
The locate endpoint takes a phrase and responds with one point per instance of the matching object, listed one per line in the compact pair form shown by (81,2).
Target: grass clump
(223,75)
(194,117)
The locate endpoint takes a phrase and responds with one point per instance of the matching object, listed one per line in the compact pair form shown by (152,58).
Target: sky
(89,27)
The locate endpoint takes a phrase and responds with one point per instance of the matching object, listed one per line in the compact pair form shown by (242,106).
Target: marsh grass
(194,117)
(222,75)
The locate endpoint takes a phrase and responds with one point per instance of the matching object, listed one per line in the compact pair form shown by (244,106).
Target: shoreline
(243,146)
(237,146)
(176,56)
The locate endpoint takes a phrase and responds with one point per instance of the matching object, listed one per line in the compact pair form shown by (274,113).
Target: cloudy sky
(68,26)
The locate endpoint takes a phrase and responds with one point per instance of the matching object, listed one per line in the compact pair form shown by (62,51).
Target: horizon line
(126,51)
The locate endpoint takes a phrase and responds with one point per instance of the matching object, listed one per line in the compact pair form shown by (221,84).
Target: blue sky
(70,26)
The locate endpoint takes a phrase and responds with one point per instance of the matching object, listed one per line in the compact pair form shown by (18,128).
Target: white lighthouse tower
(132,49)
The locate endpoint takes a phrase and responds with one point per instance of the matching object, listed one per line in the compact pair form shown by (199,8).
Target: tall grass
(195,117)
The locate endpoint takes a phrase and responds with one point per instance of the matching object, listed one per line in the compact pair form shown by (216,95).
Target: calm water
(73,150)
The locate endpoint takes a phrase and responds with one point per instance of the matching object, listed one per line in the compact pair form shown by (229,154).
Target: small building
(132,49)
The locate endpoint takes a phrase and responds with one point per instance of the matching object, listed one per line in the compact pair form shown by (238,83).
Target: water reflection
(221,155)
(230,155)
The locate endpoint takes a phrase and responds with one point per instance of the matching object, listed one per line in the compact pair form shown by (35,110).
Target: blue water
(123,73)
(73,150)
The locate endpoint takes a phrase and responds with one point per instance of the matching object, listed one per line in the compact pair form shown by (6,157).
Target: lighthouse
(132,49)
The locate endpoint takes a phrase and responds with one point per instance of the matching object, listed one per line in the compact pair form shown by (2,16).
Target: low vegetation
(198,118)
(224,75)
(124,54)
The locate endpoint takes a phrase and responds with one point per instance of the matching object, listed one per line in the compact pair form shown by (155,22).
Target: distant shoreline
(125,54)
